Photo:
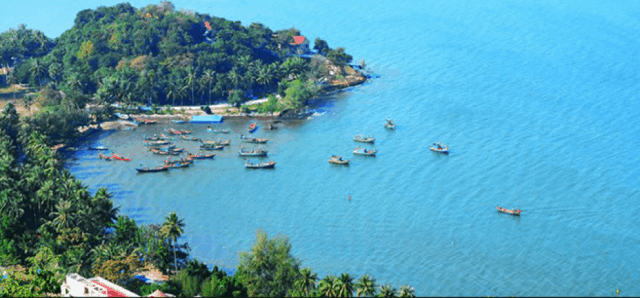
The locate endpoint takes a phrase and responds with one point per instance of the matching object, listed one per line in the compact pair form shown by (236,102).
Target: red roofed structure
(78,286)
(298,40)
(206,24)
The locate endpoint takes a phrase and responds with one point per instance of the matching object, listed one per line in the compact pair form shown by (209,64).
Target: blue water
(537,99)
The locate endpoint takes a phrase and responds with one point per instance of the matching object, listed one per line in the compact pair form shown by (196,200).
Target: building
(78,286)
(302,44)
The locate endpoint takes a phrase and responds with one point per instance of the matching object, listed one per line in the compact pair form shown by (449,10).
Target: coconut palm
(345,285)
(190,81)
(327,287)
(387,291)
(306,282)
(64,215)
(406,291)
(366,286)
(207,80)
(234,77)
(172,229)
(37,69)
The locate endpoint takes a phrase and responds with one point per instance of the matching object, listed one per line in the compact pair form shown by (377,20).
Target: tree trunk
(175,258)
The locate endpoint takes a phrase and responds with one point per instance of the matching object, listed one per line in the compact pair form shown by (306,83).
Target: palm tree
(406,291)
(206,80)
(11,79)
(234,77)
(190,79)
(64,215)
(345,285)
(306,282)
(327,287)
(366,286)
(38,70)
(172,229)
(387,291)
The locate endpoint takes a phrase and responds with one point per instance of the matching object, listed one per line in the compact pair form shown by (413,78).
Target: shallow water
(538,101)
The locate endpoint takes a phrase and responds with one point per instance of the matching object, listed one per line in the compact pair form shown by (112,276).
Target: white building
(78,286)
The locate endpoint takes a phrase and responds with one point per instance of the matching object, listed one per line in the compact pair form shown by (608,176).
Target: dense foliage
(160,55)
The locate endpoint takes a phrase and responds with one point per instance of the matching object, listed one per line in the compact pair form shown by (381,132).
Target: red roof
(208,25)
(111,292)
(157,293)
(298,40)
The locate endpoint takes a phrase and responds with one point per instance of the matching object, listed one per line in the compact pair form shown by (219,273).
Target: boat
(179,121)
(156,143)
(217,142)
(260,165)
(161,152)
(99,148)
(437,147)
(255,152)
(190,138)
(270,126)
(365,151)
(211,147)
(390,124)
(105,157)
(115,156)
(145,121)
(150,170)
(253,140)
(56,147)
(362,139)
(177,164)
(253,127)
(176,149)
(172,131)
(336,159)
(200,156)
(185,132)
(72,148)
(514,212)
(155,138)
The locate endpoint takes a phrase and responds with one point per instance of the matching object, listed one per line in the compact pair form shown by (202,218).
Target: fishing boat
(190,138)
(177,164)
(155,138)
(176,149)
(200,156)
(172,131)
(254,152)
(256,140)
(514,212)
(179,121)
(437,147)
(105,157)
(253,127)
(115,156)
(161,152)
(260,165)
(217,142)
(211,147)
(365,151)
(390,124)
(150,170)
(363,139)
(336,159)
(99,148)
(185,132)
(156,143)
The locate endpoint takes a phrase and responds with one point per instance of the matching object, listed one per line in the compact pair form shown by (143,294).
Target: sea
(537,99)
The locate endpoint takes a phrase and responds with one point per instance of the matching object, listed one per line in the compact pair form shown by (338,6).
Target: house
(301,43)
(78,286)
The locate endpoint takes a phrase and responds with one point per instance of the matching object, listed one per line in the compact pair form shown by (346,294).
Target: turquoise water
(537,99)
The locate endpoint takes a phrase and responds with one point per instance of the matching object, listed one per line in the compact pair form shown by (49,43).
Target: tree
(206,80)
(172,229)
(190,80)
(406,291)
(321,46)
(366,286)
(306,283)
(269,269)
(328,286)
(37,69)
(387,291)
(345,285)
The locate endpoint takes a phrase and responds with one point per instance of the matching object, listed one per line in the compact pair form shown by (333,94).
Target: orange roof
(111,292)
(157,293)
(298,40)
(208,25)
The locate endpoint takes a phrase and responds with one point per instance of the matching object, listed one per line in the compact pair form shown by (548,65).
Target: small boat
(178,164)
(260,165)
(99,148)
(165,137)
(270,126)
(437,147)
(200,156)
(172,131)
(211,147)
(185,132)
(105,157)
(149,122)
(362,139)
(253,127)
(56,147)
(255,152)
(176,149)
(156,143)
(155,138)
(515,212)
(217,142)
(253,140)
(390,124)
(190,138)
(115,156)
(336,159)
(161,152)
(150,170)
(179,121)
(365,151)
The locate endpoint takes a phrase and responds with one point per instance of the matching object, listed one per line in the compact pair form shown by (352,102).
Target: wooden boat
(115,156)
(211,147)
(172,131)
(362,139)
(179,121)
(176,149)
(145,121)
(336,159)
(515,212)
(161,152)
(177,164)
(253,127)
(437,147)
(99,148)
(390,124)
(365,151)
(150,170)
(185,132)
(190,138)
(217,142)
(156,143)
(105,157)
(200,156)
(255,152)
(255,140)
(260,165)
(155,138)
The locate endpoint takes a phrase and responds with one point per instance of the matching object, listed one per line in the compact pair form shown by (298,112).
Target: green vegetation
(159,55)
